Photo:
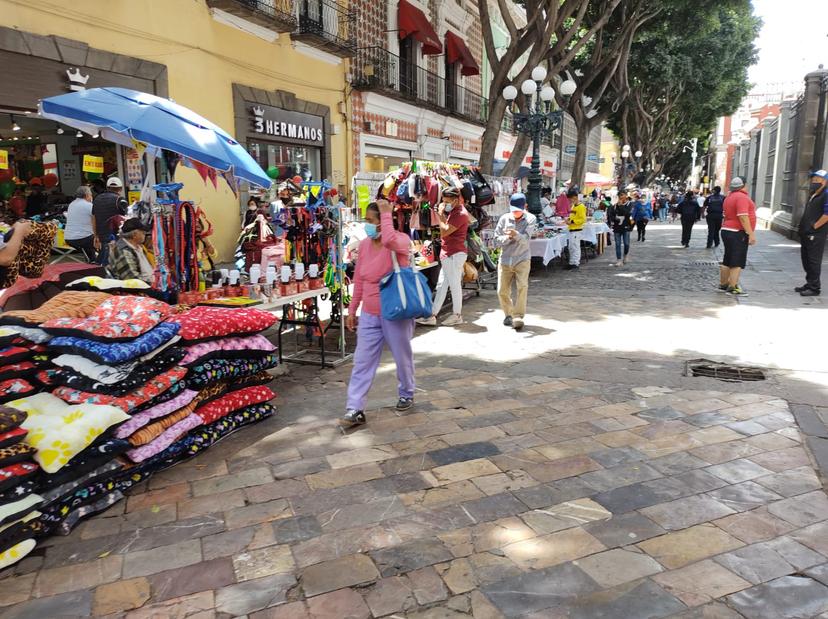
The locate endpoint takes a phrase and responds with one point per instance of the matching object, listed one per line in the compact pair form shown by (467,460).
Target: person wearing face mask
(252,211)
(454,224)
(373,331)
(813,230)
(512,234)
(738,234)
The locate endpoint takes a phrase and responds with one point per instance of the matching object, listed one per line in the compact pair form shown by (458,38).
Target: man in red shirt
(738,232)
(454,223)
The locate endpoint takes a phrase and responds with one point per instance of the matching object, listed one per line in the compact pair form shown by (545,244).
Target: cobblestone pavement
(570,470)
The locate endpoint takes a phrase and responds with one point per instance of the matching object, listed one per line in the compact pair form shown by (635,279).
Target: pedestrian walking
(373,331)
(738,228)
(576,222)
(620,218)
(714,213)
(813,230)
(454,224)
(512,234)
(79,232)
(106,206)
(688,209)
(673,208)
(642,213)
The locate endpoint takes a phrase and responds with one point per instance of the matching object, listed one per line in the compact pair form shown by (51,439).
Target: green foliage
(694,58)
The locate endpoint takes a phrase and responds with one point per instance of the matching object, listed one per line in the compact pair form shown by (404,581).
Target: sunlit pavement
(568,470)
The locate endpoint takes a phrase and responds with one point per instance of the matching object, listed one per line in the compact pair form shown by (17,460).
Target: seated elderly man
(129,256)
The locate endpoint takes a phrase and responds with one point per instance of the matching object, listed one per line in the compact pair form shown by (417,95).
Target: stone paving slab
(568,471)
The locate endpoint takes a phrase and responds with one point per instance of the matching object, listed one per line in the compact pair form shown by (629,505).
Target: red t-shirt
(738,203)
(455,242)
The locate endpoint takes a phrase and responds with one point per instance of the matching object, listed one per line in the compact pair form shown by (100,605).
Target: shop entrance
(42,165)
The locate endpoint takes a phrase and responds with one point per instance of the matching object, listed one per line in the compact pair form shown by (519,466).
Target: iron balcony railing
(326,24)
(276,15)
(377,69)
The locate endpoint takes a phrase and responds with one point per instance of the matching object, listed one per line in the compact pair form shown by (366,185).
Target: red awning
(414,23)
(457,51)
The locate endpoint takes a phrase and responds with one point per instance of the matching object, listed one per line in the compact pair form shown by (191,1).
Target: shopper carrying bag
(383,257)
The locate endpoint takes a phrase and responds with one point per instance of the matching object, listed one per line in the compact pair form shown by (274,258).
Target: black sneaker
(810,292)
(353,418)
(403,404)
(802,288)
(723,287)
(507,322)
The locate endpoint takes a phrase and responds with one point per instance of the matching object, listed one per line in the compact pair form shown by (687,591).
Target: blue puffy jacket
(642,210)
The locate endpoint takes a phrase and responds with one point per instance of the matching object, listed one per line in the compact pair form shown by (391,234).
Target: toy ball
(50,179)
(297,179)
(273,172)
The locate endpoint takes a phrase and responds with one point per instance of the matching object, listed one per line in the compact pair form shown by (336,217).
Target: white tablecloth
(550,248)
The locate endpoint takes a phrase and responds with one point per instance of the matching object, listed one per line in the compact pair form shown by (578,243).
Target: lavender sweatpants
(373,333)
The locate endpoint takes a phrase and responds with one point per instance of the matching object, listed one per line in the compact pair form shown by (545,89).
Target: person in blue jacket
(642,213)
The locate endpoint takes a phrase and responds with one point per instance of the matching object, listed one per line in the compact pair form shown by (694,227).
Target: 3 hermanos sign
(287,126)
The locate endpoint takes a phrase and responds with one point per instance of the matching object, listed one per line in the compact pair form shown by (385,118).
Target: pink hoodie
(373,263)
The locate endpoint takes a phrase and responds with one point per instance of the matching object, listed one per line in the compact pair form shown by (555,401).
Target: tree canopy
(684,74)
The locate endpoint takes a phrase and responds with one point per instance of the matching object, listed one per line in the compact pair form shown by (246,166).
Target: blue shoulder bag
(404,293)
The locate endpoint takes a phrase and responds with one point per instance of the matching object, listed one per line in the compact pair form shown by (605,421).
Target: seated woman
(25,250)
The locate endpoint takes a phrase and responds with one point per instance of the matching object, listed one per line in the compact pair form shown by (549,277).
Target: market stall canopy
(414,23)
(458,51)
(140,120)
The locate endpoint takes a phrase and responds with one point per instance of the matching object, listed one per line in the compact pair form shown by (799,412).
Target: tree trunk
(518,155)
(488,147)
(579,165)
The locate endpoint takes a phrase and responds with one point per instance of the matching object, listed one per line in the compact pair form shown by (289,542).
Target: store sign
(93,164)
(77,82)
(287,126)
(4,160)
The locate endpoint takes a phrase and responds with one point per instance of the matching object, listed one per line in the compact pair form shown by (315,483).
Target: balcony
(275,15)
(378,70)
(326,24)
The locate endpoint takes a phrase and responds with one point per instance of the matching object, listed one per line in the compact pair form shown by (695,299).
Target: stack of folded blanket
(121,387)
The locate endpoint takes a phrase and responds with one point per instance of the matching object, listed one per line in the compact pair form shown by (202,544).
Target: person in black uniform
(714,209)
(813,230)
(690,213)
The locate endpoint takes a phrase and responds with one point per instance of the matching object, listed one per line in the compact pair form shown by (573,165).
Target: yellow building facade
(231,65)
(610,154)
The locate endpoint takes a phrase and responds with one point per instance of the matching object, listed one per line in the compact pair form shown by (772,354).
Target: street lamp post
(537,122)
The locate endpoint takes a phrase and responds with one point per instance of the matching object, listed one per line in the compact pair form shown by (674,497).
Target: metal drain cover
(702,263)
(723,371)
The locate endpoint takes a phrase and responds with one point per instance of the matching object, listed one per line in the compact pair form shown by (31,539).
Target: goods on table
(113,389)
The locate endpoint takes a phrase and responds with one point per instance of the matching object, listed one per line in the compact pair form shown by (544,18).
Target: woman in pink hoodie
(375,332)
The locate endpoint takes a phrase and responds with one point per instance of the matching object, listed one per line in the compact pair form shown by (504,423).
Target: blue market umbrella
(127,116)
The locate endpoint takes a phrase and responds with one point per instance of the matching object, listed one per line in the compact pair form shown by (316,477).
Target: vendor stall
(102,381)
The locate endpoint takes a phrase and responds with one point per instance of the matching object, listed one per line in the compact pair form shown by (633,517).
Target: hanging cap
(517,202)
(736,184)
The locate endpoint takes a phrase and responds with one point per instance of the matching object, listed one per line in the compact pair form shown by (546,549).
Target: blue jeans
(662,214)
(619,236)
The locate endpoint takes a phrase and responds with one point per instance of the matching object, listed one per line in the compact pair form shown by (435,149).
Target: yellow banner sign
(4,160)
(93,164)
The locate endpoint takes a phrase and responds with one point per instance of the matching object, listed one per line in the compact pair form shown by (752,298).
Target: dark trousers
(812,249)
(86,245)
(641,227)
(714,227)
(686,230)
